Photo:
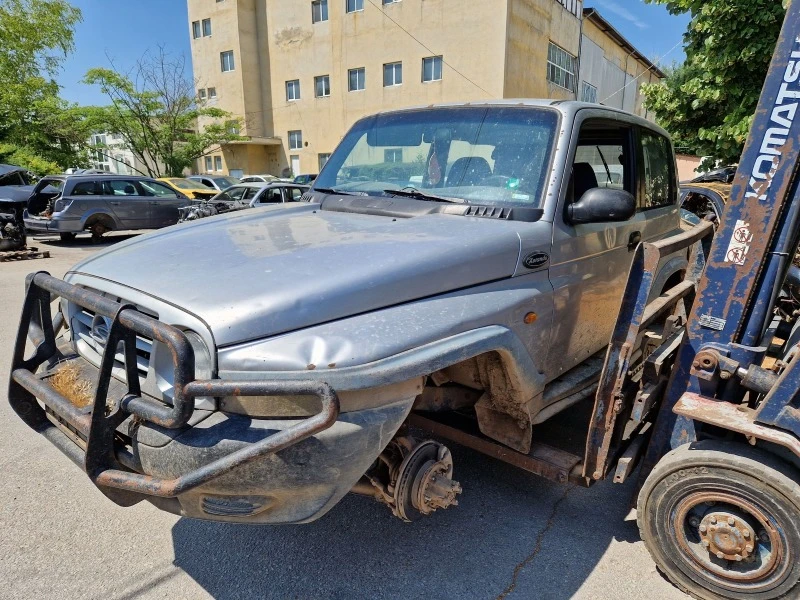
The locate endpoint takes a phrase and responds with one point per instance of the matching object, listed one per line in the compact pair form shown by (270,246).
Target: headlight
(203,365)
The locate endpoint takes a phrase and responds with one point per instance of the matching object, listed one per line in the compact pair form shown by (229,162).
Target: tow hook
(412,478)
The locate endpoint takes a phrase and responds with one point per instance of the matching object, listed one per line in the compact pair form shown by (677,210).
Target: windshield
(186,184)
(476,154)
(225,182)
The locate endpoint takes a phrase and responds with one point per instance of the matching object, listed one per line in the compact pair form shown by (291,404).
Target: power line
(411,35)
(640,74)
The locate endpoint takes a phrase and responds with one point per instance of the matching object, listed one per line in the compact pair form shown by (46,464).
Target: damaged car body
(15,189)
(478,273)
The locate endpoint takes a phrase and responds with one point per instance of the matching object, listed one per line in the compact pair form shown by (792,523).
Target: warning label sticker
(739,245)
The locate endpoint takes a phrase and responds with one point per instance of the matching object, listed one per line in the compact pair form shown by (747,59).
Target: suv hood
(262,272)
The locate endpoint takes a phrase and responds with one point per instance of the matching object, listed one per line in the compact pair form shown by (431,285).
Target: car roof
(567,108)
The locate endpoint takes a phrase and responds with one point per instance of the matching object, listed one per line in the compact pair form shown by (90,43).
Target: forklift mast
(724,346)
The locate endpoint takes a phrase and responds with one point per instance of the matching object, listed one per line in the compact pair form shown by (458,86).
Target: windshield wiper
(418,195)
(333,191)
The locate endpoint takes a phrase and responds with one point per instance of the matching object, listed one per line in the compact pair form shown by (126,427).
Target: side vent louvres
(488,212)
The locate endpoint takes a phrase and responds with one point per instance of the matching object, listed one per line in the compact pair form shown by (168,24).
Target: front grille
(90,333)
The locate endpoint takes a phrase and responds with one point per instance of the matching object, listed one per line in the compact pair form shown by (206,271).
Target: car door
(590,262)
(269,196)
(128,203)
(293,194)
(164,203)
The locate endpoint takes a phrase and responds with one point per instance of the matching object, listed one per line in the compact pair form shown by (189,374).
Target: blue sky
(123,30)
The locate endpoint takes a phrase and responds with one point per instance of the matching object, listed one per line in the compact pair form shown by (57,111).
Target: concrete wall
(532,25)
(301,50)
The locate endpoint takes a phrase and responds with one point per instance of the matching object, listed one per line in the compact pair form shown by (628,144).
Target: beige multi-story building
(300,72)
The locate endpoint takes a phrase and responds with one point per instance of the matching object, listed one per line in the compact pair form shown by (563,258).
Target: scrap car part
(412,478)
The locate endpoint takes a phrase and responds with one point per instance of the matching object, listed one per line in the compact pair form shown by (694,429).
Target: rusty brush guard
(98,426)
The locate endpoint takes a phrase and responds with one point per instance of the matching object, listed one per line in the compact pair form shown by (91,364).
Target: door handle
(634,240)
(154,204)
(115,203)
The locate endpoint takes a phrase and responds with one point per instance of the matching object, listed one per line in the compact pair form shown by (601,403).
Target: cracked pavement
(513,535)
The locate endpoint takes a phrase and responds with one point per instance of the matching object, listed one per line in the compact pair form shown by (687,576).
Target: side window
(658,171)
(119,187)
(602,159)
(295,194)
(271,196)
(86,188)
(249,194)
(152,188)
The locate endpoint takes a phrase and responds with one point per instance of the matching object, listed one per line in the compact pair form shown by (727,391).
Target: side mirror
(602,205)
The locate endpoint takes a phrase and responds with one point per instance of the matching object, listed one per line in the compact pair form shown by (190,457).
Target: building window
(323,158)
(319,11)
(390,1)
(209,164)
(353,6)
(212,93)
(572,6)
(295,140)
(392,74)
(226,59)
(195,29)
(201,94)
(293,90)
(432,68)
(218,163)
(588,92)
(355,79)
(322,86)
(561,67)
(393,155)
(206,27)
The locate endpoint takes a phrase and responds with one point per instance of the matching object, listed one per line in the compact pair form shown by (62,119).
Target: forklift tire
(67,237)
(722,521)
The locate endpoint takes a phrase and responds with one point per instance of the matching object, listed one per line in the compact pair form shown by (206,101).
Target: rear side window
(659,184)
(87,188)
(295,193)
(120,187)
(271,196)
(153,188)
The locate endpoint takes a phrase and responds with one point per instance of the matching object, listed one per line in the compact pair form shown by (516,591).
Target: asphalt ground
(513,535)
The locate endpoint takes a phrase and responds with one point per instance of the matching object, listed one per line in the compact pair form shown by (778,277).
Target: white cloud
(615,7)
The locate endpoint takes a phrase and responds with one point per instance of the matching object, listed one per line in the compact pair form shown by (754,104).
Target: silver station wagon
(71,204)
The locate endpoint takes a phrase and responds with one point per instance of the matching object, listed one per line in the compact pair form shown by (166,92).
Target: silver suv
(70,204)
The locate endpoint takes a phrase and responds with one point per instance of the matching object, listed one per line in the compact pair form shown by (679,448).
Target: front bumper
(199,463)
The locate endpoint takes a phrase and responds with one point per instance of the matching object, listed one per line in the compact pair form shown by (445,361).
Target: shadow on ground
(512,535)
(82,241)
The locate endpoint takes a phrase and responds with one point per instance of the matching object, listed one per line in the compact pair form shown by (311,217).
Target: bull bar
(98,427)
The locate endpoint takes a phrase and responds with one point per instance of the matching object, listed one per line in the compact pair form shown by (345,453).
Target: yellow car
(193,189)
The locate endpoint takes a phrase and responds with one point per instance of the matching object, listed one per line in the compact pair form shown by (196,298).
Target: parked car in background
(244,195)
(218,182)
(307,179)
(71,204)
(194,189)
(259,178)
(15,189)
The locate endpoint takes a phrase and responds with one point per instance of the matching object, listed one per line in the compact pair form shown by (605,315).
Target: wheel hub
(727,536)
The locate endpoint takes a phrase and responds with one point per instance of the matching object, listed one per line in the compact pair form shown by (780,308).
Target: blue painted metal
(749,256)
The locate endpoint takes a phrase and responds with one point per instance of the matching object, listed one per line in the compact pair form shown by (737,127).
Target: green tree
(36,36)
(155,111)
(708,103)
